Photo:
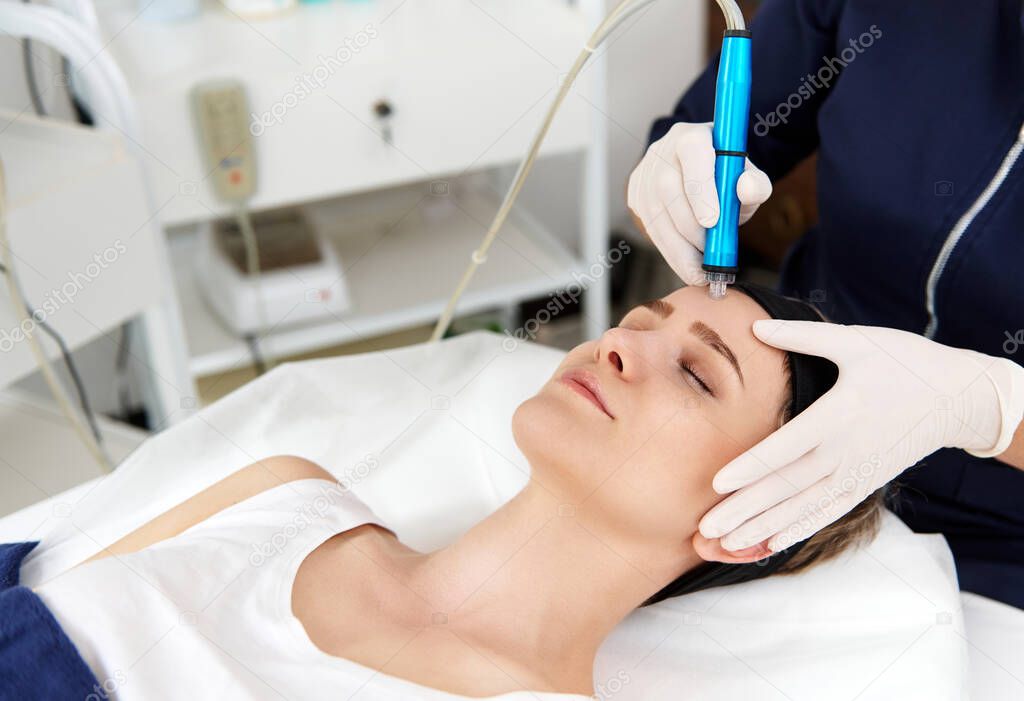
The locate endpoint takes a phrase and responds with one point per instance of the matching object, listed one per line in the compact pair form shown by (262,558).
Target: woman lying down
(622,441)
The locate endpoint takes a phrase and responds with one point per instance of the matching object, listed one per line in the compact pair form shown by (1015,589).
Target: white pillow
(422,434)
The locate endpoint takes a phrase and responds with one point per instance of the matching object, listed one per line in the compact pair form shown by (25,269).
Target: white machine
(300,275)
(265,272)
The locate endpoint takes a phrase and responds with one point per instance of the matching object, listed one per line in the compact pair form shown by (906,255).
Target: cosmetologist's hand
(673,195)
(899,398)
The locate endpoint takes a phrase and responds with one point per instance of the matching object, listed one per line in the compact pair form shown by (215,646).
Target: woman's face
(634,425)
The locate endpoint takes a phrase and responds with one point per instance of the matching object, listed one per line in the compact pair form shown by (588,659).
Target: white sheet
(995,644)
(422,434)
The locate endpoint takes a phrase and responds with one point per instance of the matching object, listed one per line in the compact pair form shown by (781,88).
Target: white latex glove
(899,398)
(672,191)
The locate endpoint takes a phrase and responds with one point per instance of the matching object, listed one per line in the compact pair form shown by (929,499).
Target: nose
(617,350)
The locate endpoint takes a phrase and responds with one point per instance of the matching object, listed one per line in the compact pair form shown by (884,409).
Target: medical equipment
(274,266)
(300,277)
(732,113)
(221,110)
(103,89)
(735,29)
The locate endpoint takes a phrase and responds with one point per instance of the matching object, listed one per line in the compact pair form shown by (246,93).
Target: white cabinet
(80,232)
(468,82)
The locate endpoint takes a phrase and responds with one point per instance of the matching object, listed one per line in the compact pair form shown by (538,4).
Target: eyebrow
(659,307)
(701,330)
(710,337)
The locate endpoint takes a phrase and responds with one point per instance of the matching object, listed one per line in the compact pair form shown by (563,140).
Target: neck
(545,582)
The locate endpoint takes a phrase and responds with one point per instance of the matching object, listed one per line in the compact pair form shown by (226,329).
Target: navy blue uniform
(921,200)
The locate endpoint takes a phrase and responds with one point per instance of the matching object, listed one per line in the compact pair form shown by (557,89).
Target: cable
(253,341)
(30,75)
(76,378)
(30,78)
(252,264)
(124,343)
(21,308)
(733,14)
(82,113)
(626,8)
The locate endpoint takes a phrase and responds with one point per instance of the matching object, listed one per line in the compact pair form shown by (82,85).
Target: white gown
(207,614)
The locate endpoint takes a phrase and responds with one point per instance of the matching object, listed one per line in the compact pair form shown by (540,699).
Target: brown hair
(855,528)
(859,526)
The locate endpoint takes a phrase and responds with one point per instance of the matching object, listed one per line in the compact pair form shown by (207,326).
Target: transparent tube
(263,362)
(733,14)
(733,20)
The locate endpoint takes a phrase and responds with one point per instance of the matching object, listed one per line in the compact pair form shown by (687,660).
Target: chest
(353,606)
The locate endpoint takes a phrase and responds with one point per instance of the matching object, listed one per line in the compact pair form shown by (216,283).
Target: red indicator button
(235,177)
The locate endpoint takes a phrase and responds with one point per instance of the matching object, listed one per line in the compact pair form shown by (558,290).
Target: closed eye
(691,372)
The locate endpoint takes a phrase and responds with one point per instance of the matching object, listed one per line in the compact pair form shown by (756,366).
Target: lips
(586,385)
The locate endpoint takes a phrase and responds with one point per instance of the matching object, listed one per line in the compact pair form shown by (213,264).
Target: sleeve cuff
(1008,379)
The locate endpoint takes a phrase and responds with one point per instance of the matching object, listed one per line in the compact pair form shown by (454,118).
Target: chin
(561,446)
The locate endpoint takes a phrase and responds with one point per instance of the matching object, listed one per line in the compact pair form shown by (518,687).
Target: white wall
(12,85)
(651,61)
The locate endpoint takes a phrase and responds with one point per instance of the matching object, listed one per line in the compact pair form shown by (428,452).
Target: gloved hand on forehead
(672,192)
(899,398)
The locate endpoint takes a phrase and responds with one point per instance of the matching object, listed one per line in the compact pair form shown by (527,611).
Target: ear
(712,551)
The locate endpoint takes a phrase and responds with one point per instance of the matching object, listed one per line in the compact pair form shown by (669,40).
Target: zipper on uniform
(964,223)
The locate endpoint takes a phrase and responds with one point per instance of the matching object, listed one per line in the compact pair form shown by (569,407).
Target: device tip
(718,283)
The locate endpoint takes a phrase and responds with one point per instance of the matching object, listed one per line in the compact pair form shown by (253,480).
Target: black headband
(810,377)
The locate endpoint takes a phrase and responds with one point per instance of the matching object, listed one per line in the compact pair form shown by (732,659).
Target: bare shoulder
(247,482)
(270,472)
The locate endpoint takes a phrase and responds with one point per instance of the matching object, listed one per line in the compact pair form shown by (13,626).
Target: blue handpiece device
(729,134)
